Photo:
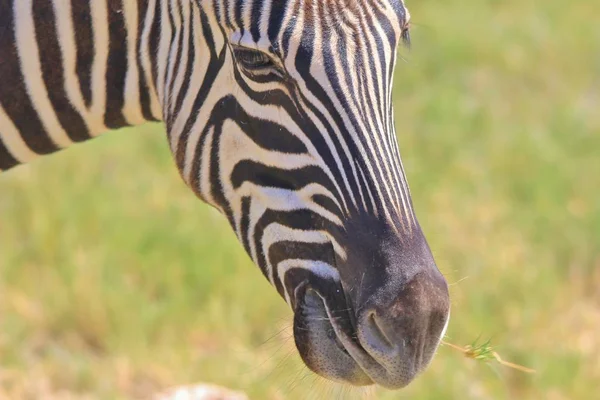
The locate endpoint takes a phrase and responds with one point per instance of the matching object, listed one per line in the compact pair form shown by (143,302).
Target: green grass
(115,281)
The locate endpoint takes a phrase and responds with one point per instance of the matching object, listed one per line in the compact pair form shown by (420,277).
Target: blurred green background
(116,282)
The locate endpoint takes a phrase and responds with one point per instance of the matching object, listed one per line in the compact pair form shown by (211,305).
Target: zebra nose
(401,332)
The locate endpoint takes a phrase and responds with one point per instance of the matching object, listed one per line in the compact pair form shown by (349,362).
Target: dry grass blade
(485,352)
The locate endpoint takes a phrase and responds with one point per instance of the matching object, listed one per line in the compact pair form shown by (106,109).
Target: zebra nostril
(374,333)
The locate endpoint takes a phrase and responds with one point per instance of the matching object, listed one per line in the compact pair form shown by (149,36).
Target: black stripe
(298,219)
(14,98)
(276,19)
(368,191)
(245,223)
(117,66)
(266,134)
(216,188)
(286,250)
(255,14)
(191,61)
(400,10)
(53,72)
(166,87)
(185,28)
(7,161)
(327,203)
(154,41)
(238,19)
(268,176)
(84,41)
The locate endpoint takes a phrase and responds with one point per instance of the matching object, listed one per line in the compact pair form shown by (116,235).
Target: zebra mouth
(327,341)
(338,346)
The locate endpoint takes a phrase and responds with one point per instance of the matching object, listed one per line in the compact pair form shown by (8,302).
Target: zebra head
(293,141)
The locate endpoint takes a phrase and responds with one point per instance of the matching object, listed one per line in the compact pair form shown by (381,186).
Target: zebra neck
(73,70)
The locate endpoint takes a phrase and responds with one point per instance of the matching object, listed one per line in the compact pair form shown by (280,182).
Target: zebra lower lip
(320,343)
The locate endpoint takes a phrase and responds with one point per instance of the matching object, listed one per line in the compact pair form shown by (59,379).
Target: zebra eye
(252,60)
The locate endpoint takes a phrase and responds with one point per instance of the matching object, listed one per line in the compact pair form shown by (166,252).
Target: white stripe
(445,327)
(132,108)
(175,13)
(204,170)
(68,47)
(101,42)
(275,233)
(289,200)
(318,268)
(163,53)
(256,212)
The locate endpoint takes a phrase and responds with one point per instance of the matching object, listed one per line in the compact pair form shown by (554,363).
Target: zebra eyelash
(405,35)
(255,62)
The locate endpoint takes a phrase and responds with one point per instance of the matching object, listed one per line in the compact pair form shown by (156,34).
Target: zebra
(279,114)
